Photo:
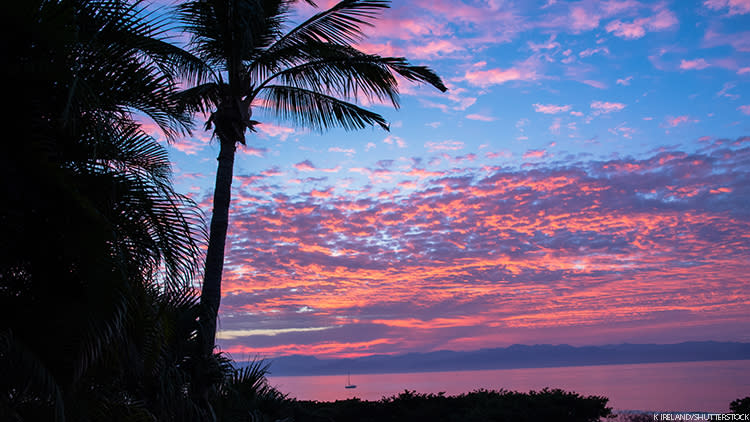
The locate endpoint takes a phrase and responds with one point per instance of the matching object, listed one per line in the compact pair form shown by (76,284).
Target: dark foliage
(480,406)
(740,405)
(98,317)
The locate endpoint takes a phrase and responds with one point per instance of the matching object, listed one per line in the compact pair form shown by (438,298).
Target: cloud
(676,121)
(534,153)
(448,145)
(736,7)
(486,78)
(275,131)
(234,334)
(625,81)
(480,117)
(257,152)
(347,151)
(306,165)
(744,109)
(550,44)
(740,41)
(661,21)
(603,107)
(724,92)
(591,51)
(434,49)
(189,146)
(623,130)
(697,64)
(610,243)
(555,126)
(581,20)
(393,139)
(595,84)
(551,108)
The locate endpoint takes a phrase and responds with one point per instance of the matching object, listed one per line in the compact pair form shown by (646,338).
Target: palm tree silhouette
(98,248)
(309,75)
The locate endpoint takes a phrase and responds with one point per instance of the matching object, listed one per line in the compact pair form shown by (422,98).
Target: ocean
(652,387)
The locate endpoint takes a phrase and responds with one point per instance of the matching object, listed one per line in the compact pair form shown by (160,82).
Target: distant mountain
(516,356)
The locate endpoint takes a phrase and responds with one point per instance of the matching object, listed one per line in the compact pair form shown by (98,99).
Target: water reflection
(681,386)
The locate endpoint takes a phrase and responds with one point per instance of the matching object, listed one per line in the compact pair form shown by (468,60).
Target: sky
(585,180)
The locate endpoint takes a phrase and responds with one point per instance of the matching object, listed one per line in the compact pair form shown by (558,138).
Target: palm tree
(310,75)
(89,220)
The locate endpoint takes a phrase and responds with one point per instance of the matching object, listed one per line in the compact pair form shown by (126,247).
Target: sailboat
(349,382)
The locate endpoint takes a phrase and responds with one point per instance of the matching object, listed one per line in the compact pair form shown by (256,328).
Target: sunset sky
(585,180)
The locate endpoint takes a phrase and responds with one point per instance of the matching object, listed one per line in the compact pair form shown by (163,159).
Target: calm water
(682,386)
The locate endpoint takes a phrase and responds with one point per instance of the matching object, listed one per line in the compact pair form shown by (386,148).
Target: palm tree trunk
(211,292)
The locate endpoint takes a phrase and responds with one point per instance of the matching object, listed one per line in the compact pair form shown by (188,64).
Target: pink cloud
(273,171)
(534,153)
(498,154)
(393,139)
(407,28)
(382,49)
(724,92)
(624,131)
(744,109)
(661,21)
(347,151)
(550,44)
(434,49)
(624,81)
(676,121)
(583,20)
(485,78)
(591,51)
(189,146)
(550,108)
(613,7)
(257,152)
(743,70)
(480,117)
(595,84)
(555,127)
(736,7)
(448,145)
(697,64)
(306,165)
(273,130)
(740,41)
(626,30)
(462,12)
(603,107)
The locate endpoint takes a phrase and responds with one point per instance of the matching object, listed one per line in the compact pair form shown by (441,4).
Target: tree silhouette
(98,249)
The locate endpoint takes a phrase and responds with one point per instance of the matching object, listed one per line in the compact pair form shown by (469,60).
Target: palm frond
(318,111)
(223,33)
(125,53)
(341,24)
(156,225)
(201,98)
(28,379)
(146,33)
(344,71)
